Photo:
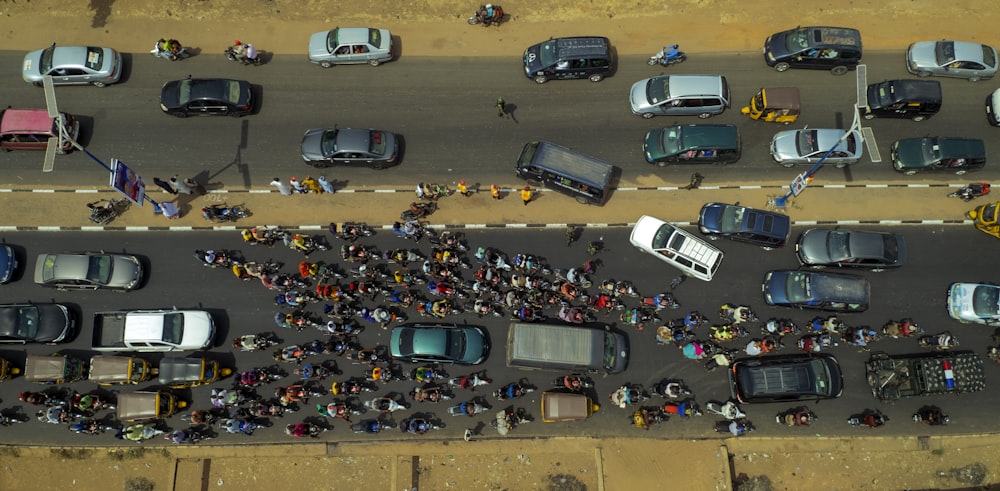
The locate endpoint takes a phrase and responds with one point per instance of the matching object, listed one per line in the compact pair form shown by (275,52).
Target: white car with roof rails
(676,247)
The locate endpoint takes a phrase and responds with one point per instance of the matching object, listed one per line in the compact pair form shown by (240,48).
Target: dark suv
(740,223)
(568,58)
(837,49)
(786,378)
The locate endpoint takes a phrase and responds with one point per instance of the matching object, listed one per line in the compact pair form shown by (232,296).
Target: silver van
(680,95)
(677,247)
(566,348)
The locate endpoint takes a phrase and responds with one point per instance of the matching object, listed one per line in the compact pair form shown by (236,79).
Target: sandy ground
(438,28)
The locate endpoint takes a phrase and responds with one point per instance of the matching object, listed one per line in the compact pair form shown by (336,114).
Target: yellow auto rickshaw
(566,406)
(8,370)
(985,218)
(56,368)
(148,405)
(108,370)
(775,105)
(180,373)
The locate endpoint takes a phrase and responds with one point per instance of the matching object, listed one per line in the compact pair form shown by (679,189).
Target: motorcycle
(242,426)
(418,211)
(213,258)
(529,264)
(737,427)
(427,374)
(941,342)
(674,332)
(780,327)
(730,410)
(86,427)
(575,315)
(628,394)
(139,432)
(306,244)
(672,389)
(56,414)
(385,404)
(102,212)
(488,15)
(313,372)
(385,375)
(418,426)
(222,213)
(683,409)
(574,276)
(260,235)
(409,229)
(639,316)
(351,231)
(622,289)
(268,409)
(796,416)
(351,387)
(302,430)
(573,382)
(402,257)
(170,50)
(661,301)
(258,377)
(482,308)
(667,56)
(737,314)
(694,319)
(508,419)
(971,191)
(355,253)
(255,342)
(243,53)
(370,426)
(832,325)
(860,337)
(468,408)
(189,435)
(429,394)
(512,390)
(645,418)
(814,343)
(493,258)
(527,314)
(870,418)
(470,381)
(88,404)
(339,409)
(727,332)
(39,399)
(901,329)
(931,416)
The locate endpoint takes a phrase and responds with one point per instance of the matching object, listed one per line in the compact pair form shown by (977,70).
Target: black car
(837,49)
(786,378)
(206,97)
(740,223)
(816,290)
(569,58)
(850,249)
(36,323)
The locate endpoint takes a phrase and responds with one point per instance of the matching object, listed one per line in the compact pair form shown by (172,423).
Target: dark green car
(692,144)
(439,343)
(958,155)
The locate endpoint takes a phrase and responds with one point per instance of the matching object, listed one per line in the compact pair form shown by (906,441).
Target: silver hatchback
(73,65)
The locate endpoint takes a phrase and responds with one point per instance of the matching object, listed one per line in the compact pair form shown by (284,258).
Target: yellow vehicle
(108,370)
(985,218)
(8,370)
(774,105)
(181,373)
(56,368)
(565,406)
(148,405)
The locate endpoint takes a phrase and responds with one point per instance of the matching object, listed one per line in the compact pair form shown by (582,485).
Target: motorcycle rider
(251,54)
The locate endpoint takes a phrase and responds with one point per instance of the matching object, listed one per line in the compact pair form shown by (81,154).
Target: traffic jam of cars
(829,278)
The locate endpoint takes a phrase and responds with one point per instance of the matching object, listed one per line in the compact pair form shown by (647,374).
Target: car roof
(573,47)
(833,36)
(17,120)
(351,35)
(707,135)
(353,140)
(688,85)
(914,90)
(838,287)
(967,51)
(70,55)
(961,147)
(69,266)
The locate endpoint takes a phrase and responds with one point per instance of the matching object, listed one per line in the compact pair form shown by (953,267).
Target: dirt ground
(438,28)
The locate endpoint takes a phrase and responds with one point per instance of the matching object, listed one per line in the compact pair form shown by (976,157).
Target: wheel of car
(923,74)
(179,115)
(838,70)
(597,77)
(234,114)
(36,84)
(325,64)
(98,84)
(909,173)
(713,237)
(869,116)
(378,165)
(960,172)
(541,79)
(705,115)
(974,79)
(766,248)
(841,166)
(534,182)
(374,62)
(661,164)
(782,66)
(788,164)
(919,118)
(648,115)
(581,200)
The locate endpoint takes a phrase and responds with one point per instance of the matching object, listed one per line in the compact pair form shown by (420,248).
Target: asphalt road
(445,111)
(937,257)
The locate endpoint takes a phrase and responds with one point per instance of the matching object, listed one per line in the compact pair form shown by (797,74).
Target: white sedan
(808,146)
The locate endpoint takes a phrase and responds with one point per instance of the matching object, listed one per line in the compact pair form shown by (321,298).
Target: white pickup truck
(153,330)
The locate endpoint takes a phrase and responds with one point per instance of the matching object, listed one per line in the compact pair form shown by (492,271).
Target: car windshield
(798,288)
(173,328)
(657,90)
(95,58)
(99,270)
(944,52)
(838,246)
(807,143)
(20,322)
(377,145)
(45,63)
(455,344)
(610,352)
(986,301)
(989,56)
(663,235)
(732,218)
(547,53)
(821,375)
(329,142)
(797,40)
(671,142)
(374,37)
(930,149)
(886,94)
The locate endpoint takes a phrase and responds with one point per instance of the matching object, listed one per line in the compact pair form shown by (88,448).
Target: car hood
(960,302)
(199,330)
(312,144)
(532,59)
(710,217)
(814,247)
(783,146)
(30,67)
(54,322)
(775,290)
(317,45)
(775,45)
(922,53)
(8,263)
(170,94)
(909,153)
(637,95)
(652,145)
(476,347)
(125,272)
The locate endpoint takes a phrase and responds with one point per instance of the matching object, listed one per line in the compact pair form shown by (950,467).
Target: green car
(958,155)
(439,343)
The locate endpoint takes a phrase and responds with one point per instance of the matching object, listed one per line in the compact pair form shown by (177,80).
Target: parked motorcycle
(488,15)
(669,55)
(796,416)
(222,213)
(971,191)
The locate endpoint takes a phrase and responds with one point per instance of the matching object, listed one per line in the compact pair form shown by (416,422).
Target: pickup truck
(896,376)
(153,330)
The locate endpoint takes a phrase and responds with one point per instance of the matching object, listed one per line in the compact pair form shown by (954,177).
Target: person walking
(181,186)
(495,191)
(327,187)
(297,186)
(526,195)
(464,189)
(167,188)
(501,107)
(282,188)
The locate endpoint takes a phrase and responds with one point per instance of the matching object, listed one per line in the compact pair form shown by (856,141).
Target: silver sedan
(956,59)
(807,146)
(73,65)
(88,271)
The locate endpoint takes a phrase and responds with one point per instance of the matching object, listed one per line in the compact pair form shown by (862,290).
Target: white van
(567,348)
(675,246)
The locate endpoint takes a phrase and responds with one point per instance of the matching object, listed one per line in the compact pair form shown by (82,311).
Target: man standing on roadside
(495,191)
(167,188)
(526,195)
(282,187)
(181,186)
(463,188)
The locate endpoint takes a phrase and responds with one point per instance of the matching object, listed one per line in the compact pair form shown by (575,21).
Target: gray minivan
(586,178)
(692,144)
(680,95)
(566,348)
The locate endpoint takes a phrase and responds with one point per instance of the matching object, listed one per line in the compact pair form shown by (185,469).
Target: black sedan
(206,97)
(35,323)
(850,249)
(439,343)
(816,290)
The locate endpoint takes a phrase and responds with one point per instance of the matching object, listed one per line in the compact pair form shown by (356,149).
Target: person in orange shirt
(495,191)
(526,195)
